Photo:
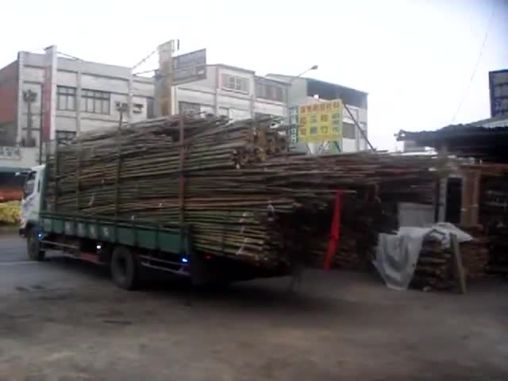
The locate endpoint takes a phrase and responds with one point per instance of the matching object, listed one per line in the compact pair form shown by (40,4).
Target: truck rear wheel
(33,246)
(125,269)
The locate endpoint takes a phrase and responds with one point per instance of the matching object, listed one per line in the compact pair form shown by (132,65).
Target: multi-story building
(307,90)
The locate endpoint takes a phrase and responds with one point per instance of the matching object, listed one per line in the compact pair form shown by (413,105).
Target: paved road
(13,249)
(64,320)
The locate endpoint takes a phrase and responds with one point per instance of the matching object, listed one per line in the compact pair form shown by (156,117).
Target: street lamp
(313,67)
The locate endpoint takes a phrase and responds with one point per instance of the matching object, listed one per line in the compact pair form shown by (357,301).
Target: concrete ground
(65,320)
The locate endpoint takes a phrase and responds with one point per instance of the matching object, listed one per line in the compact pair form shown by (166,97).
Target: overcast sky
(424,63)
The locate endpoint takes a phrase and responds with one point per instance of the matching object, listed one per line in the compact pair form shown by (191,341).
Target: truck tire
(125,268)
(33,246)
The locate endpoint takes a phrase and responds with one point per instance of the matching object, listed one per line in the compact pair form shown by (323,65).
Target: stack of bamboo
(236,184)
(347,256)
(498,263)
(434,269)
(475,253)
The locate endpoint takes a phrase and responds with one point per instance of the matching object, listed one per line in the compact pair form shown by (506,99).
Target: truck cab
(32,199)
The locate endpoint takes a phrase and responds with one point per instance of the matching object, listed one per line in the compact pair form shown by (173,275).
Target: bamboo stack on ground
(498,250)
(434,269)
(475,253)
(361,220)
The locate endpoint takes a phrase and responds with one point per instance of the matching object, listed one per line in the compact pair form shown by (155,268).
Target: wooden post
(182,181)
(470,197)
(118,164)
(459,268)
(78,174)
(475,202)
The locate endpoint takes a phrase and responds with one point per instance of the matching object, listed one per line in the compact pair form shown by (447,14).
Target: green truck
(128,247)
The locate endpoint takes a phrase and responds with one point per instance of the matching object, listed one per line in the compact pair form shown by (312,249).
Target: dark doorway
(453,200)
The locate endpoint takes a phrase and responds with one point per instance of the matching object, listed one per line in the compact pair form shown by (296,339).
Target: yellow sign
(320,122)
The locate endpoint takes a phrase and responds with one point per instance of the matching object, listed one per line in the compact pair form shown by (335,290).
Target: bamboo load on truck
(201,197)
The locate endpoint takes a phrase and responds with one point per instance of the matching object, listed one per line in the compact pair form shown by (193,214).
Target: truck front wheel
(33,246)
(125,269)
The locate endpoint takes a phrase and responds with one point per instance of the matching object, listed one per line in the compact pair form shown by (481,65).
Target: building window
(235,114)
(354,111)
(66,98)
(150,107)
(236,83)
(94,101)
(271,92)
(348,130)
(137,108)
(224,111)
(64,136)
(189,108)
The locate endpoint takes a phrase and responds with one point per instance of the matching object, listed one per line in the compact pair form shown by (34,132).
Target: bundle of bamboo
(234,183)
(498,261)
(434,269)
(475,253)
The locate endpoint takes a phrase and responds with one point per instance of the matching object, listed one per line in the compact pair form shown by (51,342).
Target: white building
(234,92)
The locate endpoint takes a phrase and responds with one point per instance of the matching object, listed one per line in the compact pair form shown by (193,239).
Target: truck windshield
(29,185)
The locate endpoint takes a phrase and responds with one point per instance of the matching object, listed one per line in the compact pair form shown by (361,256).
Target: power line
(477,64)
(145,59)
(70,56)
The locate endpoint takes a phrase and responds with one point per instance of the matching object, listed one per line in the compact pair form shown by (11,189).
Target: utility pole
(29,97)
(122,108)
(166,51)
(359,128)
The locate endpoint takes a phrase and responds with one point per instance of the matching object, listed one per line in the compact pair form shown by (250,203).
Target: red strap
(334,241)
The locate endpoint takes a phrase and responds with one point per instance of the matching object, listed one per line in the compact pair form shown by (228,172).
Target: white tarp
(397,254)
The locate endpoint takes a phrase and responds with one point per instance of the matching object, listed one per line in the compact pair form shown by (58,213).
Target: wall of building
(8,104)
(82,76)
(212,95)
(18,158)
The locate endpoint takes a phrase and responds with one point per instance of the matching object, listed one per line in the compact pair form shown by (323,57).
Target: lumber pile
(475,253)
(498,263)
(434,269)
(348,256)
(235,183)
(360,222)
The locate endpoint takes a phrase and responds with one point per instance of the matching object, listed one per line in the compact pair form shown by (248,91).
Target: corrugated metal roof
(485,139)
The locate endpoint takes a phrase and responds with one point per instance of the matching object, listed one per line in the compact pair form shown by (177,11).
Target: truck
(180,194)
(131,249)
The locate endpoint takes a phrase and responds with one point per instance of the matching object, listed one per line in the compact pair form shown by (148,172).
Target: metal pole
(41,145)
(129,96)
(182,179)
(359,127)
(169,82)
